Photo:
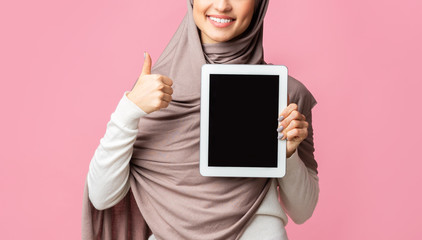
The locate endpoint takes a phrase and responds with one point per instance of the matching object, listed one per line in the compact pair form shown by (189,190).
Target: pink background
(65,65)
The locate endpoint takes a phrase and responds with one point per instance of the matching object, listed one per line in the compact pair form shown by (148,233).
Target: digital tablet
(240,105)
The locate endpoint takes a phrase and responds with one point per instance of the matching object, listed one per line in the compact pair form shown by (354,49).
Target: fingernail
(280,136)
(280,118)
(145,55)
(280,129)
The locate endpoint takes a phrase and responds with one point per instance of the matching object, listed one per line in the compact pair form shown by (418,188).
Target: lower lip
(220,25)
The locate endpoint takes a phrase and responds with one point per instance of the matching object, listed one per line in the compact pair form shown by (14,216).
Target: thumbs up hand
(151,91)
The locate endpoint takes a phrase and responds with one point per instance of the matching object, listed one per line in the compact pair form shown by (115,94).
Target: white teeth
(221,20)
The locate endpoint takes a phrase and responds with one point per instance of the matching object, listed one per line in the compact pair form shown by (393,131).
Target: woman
(144,181)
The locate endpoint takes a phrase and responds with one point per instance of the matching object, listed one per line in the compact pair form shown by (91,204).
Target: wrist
(289,154)
(129,95)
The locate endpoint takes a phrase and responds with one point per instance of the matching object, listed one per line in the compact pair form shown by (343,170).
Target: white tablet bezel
(246,69)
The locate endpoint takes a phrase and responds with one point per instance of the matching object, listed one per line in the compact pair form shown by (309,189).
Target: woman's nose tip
(222,5)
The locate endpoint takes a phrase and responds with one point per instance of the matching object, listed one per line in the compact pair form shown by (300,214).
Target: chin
(221,38)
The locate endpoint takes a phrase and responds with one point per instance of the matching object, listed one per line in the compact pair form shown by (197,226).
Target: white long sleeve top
(108,178)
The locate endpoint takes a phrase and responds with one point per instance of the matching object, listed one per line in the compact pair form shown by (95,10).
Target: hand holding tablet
(240,105)
(293,127)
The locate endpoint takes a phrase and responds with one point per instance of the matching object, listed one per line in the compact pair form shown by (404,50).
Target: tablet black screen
(243,112)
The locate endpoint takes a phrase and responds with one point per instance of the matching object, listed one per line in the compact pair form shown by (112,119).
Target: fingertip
(279,129)
(170,82)
(147,56)
(146,68)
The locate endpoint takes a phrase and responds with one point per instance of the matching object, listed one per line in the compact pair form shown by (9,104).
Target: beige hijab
(168,196)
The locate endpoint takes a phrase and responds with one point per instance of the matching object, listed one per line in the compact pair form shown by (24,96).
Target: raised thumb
(146,69)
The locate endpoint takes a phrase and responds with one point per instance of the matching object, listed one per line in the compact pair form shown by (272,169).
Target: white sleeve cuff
(127,113)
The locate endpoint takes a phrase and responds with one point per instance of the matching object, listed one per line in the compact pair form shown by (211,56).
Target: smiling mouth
(221,20)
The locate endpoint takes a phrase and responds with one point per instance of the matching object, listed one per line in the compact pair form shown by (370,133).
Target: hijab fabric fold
(168,196)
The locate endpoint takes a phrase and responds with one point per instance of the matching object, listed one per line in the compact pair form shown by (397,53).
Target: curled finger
(166,97)
(167,89)
(297,134)
(286,112)
(293,115)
